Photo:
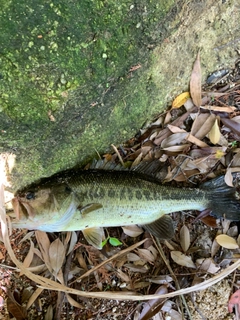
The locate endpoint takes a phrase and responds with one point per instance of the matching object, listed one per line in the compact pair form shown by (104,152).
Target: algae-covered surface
(67,89)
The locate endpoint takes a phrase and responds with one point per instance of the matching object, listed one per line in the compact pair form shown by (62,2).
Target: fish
(109,196)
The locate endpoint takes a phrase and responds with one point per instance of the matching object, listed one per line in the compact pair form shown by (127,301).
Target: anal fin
(94,236)
(162,228)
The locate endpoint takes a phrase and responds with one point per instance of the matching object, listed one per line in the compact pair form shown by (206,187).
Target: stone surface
(68,82)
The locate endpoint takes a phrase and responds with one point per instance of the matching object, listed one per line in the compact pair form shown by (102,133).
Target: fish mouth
(22,209)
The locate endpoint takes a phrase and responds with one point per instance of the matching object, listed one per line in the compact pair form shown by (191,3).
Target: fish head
(41,205)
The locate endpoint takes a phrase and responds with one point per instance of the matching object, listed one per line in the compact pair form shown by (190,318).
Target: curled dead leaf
(195,82)
(185,238)
(56,255)
(227,109)
(152,307)
(174,139)
(182,259)
(202,125)
(228,178)
(214,134)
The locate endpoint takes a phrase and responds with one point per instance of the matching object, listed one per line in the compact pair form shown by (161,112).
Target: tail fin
(224,201)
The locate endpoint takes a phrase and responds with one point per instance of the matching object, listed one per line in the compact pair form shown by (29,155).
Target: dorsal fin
(103,164)
(153,168)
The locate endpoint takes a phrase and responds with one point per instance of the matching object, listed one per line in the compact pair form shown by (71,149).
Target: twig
(162,254)
(118,154)
(66,270)
(115,256)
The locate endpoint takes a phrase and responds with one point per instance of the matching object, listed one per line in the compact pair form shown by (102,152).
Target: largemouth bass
(89,199)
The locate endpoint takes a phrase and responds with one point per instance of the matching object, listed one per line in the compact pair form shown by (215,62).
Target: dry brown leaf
(133,257)
(187,174)
(81,261)
(208,152)
(123,276)
(182,259)
(146,255)
(172,245)
(175,129)
(208,265)
(185,238)
(27,236)
(188,105)
(161,279)
(15,308)
(72,242)
(225,225)
(29,257)
(153,250)
(26,294)
(1,256)
(195,82)
(168,118)
(214,134)
(137,160)
(60,276)
(152,307)
(228,178)
(49,313)
(177,148)
(73,302)
(232,124)
(175,315)
(38,269)
(44,244)
(226,242)
(33,297)
(174,139)
(132,231)
(67,238)
(236,160)
(56,255)
(196,141)
(137,285)
(178,123)
(202,125)
(134,268)
(227,109)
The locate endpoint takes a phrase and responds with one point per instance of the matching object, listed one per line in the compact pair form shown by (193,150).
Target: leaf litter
(199,138)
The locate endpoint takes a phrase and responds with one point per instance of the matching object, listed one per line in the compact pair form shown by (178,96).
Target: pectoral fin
(94,236)
(89,207)
(161,228)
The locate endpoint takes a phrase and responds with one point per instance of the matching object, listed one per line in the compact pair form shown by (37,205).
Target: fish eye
(30,195)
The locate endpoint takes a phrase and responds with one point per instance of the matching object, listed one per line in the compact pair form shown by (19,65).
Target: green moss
(65,84)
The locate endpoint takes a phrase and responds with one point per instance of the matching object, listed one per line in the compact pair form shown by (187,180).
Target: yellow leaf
(214,134)
(219,154)
(180,100)
(226,241)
